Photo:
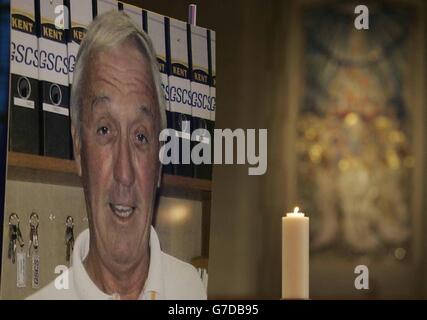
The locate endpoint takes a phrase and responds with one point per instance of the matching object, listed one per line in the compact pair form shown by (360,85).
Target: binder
(103,6)
(154,26)
(24,89)
(200,94)
(179,92)
(134,13)
(53,83)
(80,16)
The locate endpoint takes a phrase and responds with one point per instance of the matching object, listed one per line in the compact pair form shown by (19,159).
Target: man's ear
(77,148)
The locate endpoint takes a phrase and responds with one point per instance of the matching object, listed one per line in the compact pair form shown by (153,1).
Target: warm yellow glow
(397,137)
(351,119)
(315,153)
(178,213)
(310,133)
(295,213)
(343,165)
(382,122)
(393,160)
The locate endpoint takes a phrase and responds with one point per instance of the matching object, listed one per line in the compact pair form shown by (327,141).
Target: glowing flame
(296,209)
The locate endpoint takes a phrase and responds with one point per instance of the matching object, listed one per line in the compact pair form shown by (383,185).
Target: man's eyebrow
(143,108)
(96,99)
(146,110)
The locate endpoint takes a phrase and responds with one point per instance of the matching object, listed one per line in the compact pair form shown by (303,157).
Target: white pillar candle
(295,256)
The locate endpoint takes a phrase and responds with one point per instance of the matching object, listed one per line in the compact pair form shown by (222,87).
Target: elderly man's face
(119,153)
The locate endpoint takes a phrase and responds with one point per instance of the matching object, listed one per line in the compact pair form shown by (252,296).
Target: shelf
(34,168)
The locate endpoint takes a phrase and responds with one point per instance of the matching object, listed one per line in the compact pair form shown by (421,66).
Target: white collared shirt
(168,278)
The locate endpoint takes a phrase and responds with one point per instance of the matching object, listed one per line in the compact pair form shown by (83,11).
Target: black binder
(24,89)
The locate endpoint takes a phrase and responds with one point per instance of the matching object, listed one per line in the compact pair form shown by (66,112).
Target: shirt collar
(154,286)
(86,288)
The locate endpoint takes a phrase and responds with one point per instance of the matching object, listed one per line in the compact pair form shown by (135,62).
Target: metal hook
(34,220)
(15,235)
(34,237)
(69,237)
(69,222)
(13,215)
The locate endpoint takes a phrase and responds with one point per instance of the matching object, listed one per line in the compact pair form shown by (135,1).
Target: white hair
(106,31)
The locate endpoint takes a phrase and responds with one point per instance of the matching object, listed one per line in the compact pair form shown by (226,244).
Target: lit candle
(295,256)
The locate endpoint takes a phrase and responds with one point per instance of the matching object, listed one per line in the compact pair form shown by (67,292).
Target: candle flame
(296,209)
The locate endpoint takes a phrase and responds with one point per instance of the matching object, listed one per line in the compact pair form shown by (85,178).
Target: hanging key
(13,236)
(33,243)
(32,253)
(69,237)
(11,254)
(19,237)
(17,253)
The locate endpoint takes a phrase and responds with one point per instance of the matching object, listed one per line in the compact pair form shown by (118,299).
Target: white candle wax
(295,256)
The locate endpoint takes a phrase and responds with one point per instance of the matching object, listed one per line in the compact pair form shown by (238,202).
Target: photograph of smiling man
(117,112)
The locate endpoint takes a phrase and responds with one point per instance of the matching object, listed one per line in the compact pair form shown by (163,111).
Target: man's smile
(121,210)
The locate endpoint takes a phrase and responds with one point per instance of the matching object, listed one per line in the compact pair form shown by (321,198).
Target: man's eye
(102,130)
(141,138)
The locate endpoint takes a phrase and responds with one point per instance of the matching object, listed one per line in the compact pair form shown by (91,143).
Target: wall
(258,87)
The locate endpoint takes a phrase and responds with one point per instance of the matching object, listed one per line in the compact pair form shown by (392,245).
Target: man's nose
(123,167)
